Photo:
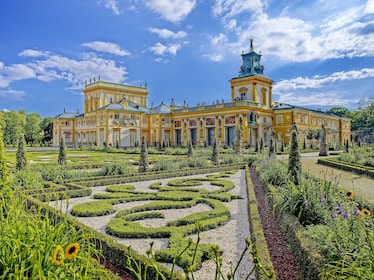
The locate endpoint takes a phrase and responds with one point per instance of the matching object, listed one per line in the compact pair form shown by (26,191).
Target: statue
(323,134)
(322,146)
(238,136)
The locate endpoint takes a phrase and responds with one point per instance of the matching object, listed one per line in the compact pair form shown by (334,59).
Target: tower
(251,84)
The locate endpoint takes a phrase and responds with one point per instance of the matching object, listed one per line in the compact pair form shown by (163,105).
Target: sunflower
(350,194)
(56,258)
(72,250)
(366,212)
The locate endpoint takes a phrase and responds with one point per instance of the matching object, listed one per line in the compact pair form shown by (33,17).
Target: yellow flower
(72,250)
(56,258)
(350,194)
(366,212)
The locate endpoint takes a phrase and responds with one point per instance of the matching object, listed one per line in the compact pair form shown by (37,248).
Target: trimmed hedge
(257,233)
(359,169)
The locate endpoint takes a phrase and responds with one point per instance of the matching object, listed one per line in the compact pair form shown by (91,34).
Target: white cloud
(107,47)
(12,95)
(344,33)
(14,72)
(231,8)
(166,33)
(171,10)
(320,81)
(56,67)
(33,53)
(369,9)
(112,5)
(161,49)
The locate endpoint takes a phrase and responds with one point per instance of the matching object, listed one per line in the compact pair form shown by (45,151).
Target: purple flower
(323,199)
(305,203)
(345,216)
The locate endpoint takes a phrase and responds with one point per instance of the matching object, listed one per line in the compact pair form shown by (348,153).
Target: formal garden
(171,198)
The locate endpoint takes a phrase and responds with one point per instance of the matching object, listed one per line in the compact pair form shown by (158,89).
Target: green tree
(14,126)
(256,146)
(261,145)
(21,159)
(143,160)
(310,136)
(33,132)
(4,173)
(46,126)
(294,162)
(62,152)
(190,149)
(339,111)
(215,152)
(271,147)
(282,146)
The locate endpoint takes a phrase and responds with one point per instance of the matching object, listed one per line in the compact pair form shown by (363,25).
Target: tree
(21,159)
(294,162)
(4,173)
(190,149)
(271,147)
(256,146)
(261,145)
(62,152)
(143,160)
(46,126)
(339,111)
(215,153)
(282,146)
(346,146)
(310,136)
(33,133)
(14,126)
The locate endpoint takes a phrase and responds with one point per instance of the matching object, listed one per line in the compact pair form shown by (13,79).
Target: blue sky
(319,53)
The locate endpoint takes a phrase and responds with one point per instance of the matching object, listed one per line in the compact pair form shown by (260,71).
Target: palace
(117,115)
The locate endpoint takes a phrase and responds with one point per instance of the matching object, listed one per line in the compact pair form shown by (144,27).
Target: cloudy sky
(319,53)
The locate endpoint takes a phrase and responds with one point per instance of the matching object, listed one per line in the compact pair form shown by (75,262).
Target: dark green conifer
(4,172)
(21,160)
(143,160)
(62,152)
(215,152)
(294,162)
(261,145)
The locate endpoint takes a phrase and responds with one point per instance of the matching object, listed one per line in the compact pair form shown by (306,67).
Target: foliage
(21,160)
(143,160)
(4,172)
(215,153)
(62,152)
(294,161)
(359,155)
(116,168)
(27,180)
(92,209)
(37,245)
(340,223)
(33,132)
(261,145)
(339,111)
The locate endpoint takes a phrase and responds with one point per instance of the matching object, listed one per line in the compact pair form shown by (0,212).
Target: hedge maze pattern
(177,194)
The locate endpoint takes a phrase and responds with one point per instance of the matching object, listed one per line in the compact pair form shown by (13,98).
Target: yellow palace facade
(117,115)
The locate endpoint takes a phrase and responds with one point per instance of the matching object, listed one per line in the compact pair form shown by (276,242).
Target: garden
(161,212)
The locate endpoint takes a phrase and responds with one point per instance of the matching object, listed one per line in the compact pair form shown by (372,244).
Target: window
(116,116)
(242,96)
(298,118)
(279,119)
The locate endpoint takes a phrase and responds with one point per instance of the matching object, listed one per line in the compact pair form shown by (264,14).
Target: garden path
(362,185)
(230,237)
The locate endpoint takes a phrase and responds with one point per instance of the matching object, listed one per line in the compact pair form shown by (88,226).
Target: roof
(160,109)
(68,115)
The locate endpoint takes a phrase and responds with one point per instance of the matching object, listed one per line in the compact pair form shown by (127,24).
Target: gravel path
(230,237)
